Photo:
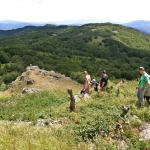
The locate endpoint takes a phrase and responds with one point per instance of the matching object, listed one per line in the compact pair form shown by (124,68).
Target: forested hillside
(71,49)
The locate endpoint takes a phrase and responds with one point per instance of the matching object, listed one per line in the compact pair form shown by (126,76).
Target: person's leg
(140,95)
(104,89)
(87,88)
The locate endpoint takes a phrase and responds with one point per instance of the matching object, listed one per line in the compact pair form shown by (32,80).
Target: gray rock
(30,81)
(78,97)
(40,122)
(30,90)
(145,132)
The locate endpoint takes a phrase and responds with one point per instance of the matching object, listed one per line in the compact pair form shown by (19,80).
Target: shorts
(87,87)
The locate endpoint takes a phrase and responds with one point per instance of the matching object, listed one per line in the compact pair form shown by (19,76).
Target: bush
(3,87)
(91,128)
(77,76)
(8,78)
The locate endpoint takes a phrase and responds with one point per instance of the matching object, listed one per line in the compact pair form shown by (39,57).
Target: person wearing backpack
(95,84)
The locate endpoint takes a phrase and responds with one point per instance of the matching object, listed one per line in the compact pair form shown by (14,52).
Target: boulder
(145,132)
(32,67)
(30,81)
(28,73)
(30,90)
(79,97)
(21,78)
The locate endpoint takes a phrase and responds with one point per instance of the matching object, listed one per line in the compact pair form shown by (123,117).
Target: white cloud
(52,10)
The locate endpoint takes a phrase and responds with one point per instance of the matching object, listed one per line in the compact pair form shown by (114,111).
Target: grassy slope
(128,36)
(133,38)
(99,113)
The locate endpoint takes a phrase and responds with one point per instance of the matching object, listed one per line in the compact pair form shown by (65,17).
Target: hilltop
(35,80)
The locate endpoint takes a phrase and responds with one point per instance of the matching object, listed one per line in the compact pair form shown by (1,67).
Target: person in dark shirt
(104,80)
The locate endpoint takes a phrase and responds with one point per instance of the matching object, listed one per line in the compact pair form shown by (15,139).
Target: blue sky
(120,11)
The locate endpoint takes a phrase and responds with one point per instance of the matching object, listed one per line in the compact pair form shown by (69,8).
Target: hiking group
(88,82)
(143,88)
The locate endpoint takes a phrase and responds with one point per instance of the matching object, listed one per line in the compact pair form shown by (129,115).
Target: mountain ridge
(141,25)
(11,24)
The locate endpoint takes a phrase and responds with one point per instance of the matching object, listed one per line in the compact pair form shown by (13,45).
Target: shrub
(8,78)
(3,87)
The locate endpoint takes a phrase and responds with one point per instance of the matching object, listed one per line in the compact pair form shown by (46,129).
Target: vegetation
(91,126)
(71,49)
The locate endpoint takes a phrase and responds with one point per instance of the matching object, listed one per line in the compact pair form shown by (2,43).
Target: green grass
(30,107)
(81,129)
(129,37)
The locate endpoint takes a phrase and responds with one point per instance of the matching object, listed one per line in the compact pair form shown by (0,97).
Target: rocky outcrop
(30,90)
(50,122)
(32,67)
(37,78)
(144,132)
(30,81)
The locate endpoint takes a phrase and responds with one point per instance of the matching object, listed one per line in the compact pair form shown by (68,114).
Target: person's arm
(146,84)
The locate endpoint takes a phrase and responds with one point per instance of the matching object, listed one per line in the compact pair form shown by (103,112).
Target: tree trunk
(72,100)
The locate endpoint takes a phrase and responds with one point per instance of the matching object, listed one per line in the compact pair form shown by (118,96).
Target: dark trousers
(147,98)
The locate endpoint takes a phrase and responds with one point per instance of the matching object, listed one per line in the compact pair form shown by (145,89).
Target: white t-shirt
(88,78)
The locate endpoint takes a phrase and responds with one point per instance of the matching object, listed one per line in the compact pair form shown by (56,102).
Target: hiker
(94,82)
(86,87)
(142,86)
(104,80)
(147,93)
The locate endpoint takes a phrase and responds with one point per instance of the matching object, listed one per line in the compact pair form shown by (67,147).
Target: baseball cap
(103,71)
(141,68)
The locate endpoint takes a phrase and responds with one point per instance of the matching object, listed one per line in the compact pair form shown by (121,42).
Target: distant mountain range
(10,24)
(141,25)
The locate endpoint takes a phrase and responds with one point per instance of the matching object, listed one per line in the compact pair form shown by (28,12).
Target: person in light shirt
(87,82)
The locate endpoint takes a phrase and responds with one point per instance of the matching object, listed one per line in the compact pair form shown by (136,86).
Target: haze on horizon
(120,11)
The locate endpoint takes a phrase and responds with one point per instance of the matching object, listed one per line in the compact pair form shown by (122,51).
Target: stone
(30,81)
(77,98)
(145,132)
(30,90)
(28,73)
